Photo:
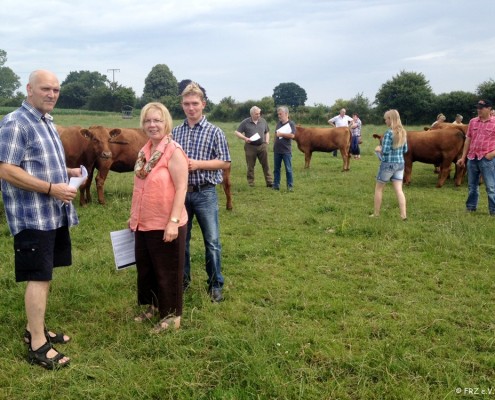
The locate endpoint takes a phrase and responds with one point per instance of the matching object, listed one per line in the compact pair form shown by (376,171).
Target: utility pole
(113,75)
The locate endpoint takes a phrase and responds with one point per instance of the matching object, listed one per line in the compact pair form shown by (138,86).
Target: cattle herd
(105,150)
(116,149)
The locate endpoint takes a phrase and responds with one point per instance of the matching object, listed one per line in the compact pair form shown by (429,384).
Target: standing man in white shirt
(340,120)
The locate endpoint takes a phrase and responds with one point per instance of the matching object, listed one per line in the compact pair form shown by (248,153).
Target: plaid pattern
(204,141)
(389,154)
(34,145)
(482,135)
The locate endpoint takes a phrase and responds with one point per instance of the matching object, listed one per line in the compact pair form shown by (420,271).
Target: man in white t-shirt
(338,121)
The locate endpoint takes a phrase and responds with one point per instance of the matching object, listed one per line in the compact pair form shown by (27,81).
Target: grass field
(322,302)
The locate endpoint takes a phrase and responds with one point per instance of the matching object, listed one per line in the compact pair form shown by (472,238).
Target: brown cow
(324,139)
(84,147)
(439,147)
(125,144)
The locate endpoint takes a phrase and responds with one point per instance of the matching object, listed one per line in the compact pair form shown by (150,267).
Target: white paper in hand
(77,181)
(285,129)
(255,137)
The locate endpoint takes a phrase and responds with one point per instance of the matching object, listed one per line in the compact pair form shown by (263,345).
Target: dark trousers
(160,269)
(261,153)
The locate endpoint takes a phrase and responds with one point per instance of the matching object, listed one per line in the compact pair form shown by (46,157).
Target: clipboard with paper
(123,248)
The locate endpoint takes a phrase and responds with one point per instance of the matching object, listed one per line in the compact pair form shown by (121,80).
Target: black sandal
(39,357)
(58,338)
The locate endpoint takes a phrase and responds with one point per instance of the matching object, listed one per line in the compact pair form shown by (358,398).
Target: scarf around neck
(143,167)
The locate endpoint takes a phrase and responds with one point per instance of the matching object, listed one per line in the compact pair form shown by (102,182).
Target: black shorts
(38,252)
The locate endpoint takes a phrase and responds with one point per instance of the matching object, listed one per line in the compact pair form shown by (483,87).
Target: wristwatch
(174,220)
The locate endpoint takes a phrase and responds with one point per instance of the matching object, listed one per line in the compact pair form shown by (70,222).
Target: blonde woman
(159,219)
(392,149)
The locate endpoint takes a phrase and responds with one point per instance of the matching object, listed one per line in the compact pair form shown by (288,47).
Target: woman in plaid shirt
(392,149)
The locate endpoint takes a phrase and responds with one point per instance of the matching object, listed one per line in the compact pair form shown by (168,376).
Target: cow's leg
(346,155)
(227,185)
(444,173)
(407,172)
(88,185)
(459,174)
(100,183)
(307,158)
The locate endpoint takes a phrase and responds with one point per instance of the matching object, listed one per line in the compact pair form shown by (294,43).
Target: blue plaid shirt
(389,154)
(204,141)
(28,142)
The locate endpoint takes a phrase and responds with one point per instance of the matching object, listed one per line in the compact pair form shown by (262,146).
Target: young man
(37,201)
(206,147)
(255,149)
(479,149)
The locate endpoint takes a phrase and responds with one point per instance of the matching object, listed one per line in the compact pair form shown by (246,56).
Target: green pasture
(322,302)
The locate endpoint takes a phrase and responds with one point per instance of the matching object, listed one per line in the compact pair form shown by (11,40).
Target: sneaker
(216,295)
(275,188)
(269,185)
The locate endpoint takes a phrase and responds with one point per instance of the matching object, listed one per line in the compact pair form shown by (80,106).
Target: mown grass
(322,302)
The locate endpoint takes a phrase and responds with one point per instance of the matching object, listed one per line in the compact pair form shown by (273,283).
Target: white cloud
(333,49)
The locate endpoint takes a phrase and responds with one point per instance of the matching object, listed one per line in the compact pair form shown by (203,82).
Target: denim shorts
(38,252)
(390,172)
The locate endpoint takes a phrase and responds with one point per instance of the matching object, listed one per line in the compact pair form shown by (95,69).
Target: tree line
(408,92)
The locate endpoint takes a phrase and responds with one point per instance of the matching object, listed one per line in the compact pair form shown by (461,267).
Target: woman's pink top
(153,197)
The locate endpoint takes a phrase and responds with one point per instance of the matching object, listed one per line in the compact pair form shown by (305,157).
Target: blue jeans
(204,205)
(485,168)
(277,165)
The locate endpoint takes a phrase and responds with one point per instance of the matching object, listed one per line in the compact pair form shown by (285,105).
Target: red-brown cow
(124,144)
(84,147)
(323,139)
(438,147)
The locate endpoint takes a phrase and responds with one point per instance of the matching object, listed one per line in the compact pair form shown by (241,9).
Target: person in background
(440,118)
(257,149)
(282,149)
(492,112)
(356,136)
(479,149)
(159,218)
(392,149)
(340,120)
(458,119)
(37,200)
(206,147)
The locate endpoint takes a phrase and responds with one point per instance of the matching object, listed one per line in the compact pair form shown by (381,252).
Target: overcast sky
(244,48)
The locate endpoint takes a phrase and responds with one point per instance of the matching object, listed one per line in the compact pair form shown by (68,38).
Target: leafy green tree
(409,93)
(160,82)
(486,90)
(78,86)
(450,104)
(289,94)
(9,81)
(174,105)
(225,110)
(108,99)
(73,95)
(361,106)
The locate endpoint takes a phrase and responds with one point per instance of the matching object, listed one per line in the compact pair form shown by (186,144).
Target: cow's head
(99,137)
(379,137)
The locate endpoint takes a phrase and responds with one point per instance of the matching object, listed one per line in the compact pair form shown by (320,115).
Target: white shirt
(340,121)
